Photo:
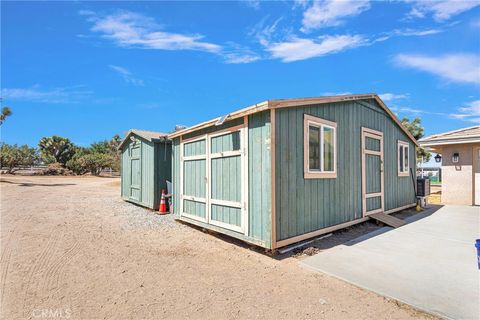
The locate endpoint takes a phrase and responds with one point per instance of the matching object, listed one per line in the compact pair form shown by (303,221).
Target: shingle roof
(147,135)
(464,135)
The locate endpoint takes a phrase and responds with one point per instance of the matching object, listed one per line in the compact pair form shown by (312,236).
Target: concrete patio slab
(430,263)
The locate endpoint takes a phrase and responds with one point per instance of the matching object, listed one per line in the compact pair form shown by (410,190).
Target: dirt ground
(71,248)
(435,196)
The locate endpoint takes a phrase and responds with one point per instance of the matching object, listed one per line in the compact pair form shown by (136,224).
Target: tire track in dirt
(4,265)
(55,270)
(40,262)
(6,257)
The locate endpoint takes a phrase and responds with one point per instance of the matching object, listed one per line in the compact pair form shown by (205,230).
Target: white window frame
(308,121)
(403,172)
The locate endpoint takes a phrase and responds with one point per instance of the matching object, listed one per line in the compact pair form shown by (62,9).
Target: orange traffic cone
(163,205)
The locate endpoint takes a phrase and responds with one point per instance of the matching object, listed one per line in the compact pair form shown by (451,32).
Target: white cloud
(405,33)
(326,13)
(387,97)
(133,30)
(129,29)
(296,48)
(240,58)
(441,10)
(300,4)
(234,53)
(127,75)
(453,67)
(56,95)
(470,112)
(254,4)
(416,32)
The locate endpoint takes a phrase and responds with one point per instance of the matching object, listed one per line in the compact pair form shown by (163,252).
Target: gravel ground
(71,248)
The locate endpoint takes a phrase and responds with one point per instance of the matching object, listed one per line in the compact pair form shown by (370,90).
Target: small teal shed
(145,167)
(282,171)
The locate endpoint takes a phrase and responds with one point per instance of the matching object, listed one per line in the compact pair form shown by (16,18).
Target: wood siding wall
(259,184)
(304,205)
(260,178)
(125,172)
(155,164)
(148,174)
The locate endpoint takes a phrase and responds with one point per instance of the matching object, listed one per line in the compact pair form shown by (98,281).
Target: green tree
(6,112)
(56,149)
(417,131)
(76,163)
(95,162)
(107,146)
(13,156)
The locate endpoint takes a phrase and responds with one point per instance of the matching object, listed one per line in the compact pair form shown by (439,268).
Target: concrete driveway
(430,263)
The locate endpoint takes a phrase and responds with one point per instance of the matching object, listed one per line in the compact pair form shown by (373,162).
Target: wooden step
(388,220)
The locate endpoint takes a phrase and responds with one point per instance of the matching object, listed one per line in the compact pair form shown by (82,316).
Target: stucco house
(460,157)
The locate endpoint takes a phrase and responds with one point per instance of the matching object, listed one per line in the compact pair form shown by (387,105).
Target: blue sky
(89,70)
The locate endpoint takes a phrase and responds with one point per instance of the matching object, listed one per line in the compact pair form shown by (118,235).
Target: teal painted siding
(147,176)
(194,148)
(305,205)
(226,142)
(259,182)
(176,175)
(260,177)
(227,215)
(125,172)
(194,208)
(153,166)
(226,175)
(372,173)
(194,178)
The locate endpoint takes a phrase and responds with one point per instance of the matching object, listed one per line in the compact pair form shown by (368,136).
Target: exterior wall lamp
(455,157)
(438,158)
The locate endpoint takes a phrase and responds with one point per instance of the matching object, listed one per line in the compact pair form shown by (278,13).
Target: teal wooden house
(282,171)
(145,167)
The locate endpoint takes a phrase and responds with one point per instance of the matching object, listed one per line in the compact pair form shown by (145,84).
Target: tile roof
(464,135)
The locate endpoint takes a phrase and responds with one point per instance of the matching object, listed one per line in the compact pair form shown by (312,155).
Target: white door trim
(208,156)
(182,167)
(378,135)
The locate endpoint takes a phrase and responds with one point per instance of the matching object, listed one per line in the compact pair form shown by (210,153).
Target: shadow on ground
(361,232)
(29,184)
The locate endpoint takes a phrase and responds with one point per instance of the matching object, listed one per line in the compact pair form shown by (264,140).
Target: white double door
(214,178)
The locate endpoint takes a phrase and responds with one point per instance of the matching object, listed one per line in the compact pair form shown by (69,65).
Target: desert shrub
(76,163)
(56,169)
(92,162)
(13,156)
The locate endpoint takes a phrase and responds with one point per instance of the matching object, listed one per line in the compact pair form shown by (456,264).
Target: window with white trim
(319,148)
(403,158)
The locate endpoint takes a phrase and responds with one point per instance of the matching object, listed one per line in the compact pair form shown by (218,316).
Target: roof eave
(433,143)
(149,139)
(234,115)
(284,103)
